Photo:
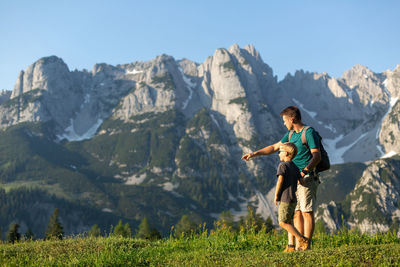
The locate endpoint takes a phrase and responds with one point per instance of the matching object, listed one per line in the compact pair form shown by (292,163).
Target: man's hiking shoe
(289,248)
(304,243)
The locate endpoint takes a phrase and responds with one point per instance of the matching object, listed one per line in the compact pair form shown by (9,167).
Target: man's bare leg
(309,224)
(298,224)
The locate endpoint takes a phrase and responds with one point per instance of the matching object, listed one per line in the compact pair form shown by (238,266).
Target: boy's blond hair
(290,148)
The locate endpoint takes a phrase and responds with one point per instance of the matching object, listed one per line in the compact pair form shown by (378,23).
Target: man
(306,160)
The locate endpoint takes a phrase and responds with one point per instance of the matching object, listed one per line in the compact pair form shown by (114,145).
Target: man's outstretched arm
(264,151)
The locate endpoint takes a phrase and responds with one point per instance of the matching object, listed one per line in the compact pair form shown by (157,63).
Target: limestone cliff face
(49,73)
(389,134)
(45,91)
(160,85)
(348,102)
(347,111)
(236,80)
(373,204)
(75,101)
(392,82)
(379,184)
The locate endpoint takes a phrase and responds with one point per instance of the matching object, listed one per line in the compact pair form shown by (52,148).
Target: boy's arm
(279,184)
(264,151)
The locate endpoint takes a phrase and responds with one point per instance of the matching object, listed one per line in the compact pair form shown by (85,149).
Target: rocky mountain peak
(234,49)
(46,74)
(357,75)
(252,50)
(392,82)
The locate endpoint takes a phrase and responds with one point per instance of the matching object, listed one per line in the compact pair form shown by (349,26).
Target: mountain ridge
(182,126)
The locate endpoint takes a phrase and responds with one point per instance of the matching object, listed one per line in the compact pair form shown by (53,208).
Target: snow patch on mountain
(190,86)
(312,114)
(71,135)
(389,154)
(215,120)
(136,179)
(106,210)
(335,153)
(168,186)
(134,71)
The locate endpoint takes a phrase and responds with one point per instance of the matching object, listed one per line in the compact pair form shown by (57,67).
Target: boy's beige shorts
(306,195)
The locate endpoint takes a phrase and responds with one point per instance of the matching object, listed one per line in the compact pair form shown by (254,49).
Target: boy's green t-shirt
(304,155)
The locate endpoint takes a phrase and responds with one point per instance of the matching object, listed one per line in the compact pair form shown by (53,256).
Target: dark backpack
(324,164)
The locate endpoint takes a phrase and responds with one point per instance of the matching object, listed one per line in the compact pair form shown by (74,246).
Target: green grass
(216,248)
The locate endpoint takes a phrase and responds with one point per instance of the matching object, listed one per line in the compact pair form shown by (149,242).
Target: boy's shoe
(289,248)
(304,243)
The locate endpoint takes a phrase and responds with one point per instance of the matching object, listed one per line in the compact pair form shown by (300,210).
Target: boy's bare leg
(298,224)
(291,229)
(290,239)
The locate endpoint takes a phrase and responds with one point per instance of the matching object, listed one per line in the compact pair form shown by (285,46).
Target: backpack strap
(290,135)
(303,136)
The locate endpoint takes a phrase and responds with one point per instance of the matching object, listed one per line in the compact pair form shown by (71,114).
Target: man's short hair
(292,112)
(290,148)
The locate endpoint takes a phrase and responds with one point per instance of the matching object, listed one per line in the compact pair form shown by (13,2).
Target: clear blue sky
(321,36)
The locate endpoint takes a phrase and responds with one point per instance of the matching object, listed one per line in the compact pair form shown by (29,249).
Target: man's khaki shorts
(306,195)
(286,211)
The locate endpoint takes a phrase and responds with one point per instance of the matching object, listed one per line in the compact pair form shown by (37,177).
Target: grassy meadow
(219,247)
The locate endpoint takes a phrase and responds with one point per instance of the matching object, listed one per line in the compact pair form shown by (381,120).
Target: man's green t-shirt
(304,155)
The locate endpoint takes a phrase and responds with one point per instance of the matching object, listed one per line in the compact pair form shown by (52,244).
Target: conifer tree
(54,228)
(29,234)
(225,220)
(13,235)
(127,229)
(144,229)
(94,231)
(252,221)
(119,229)
(122,230)
(185,226)
(155,234)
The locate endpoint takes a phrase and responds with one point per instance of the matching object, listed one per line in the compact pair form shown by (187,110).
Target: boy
(286,186)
